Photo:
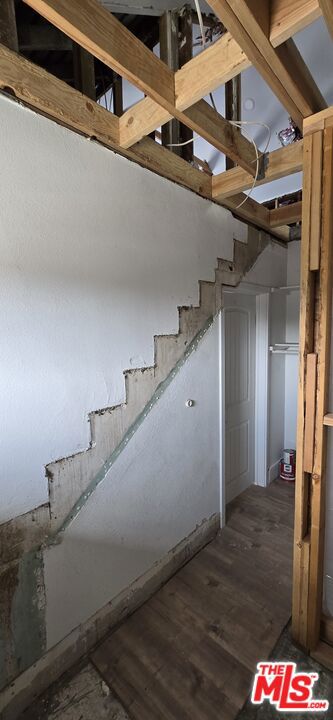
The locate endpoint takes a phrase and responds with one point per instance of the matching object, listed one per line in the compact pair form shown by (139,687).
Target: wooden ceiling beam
(98,32)
(52,97)
(278,163)
(254,213)
(250,26)
(285,214)
(327,11)
(90,25)
(215,66)
(285,15)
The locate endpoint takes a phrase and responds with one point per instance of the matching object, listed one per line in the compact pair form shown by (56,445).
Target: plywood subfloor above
(191,650)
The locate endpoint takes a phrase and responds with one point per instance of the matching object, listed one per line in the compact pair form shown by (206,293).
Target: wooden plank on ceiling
(209,124)
(326,7)
(297,14)
(52,97)
(89,24)
(251,29)
(285,214)
(214,66)
(278,163)
(291,58)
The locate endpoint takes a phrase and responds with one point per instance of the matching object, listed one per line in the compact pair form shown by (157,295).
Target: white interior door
(239,391)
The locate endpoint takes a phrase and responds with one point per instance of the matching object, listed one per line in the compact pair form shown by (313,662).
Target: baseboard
(273,472)
(17,696)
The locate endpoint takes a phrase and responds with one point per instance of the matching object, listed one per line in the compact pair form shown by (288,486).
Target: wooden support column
(233,107)
(315,328)
(185,52)
(118,103)
(84,71)
(8,31)
(169,55)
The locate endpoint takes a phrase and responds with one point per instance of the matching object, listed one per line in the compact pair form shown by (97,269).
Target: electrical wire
(235,123)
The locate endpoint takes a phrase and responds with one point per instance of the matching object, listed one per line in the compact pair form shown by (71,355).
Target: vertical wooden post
(323,349)
(233,106)
(84,71)
(315,329)
(118,107)
(185,52)
(8,30)
(169,55)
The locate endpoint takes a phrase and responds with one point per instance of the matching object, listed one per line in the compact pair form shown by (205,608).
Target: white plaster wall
(96,254)
(164,483)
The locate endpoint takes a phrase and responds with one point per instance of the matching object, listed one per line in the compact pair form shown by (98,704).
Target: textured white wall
(96,254)
(164,483)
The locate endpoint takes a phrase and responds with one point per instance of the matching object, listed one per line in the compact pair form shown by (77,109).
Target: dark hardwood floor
(190,652)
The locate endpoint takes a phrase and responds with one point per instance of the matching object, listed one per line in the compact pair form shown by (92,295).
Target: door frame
(261,419)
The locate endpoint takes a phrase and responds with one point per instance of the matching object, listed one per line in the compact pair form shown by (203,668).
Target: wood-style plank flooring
(190,652)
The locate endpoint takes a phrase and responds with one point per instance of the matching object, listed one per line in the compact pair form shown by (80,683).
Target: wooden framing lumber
(310,410)
(214,66)
(57,100)
(315,330)
(89,24)
(319,121)
(278,163)
(322,348)
(327,10)
(54,98)
(306,336)
(233,106)
(285,214)
(328,419)
(254,213)
(284,14)
(251,30)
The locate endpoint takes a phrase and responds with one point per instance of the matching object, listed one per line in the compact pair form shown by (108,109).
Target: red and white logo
(287,689)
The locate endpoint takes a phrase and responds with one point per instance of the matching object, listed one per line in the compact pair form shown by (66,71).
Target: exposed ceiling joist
(214,66)
(285,214)
(52,97)
(278,163)
(326,7)
(102,35)
(86,22)
(251,27)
